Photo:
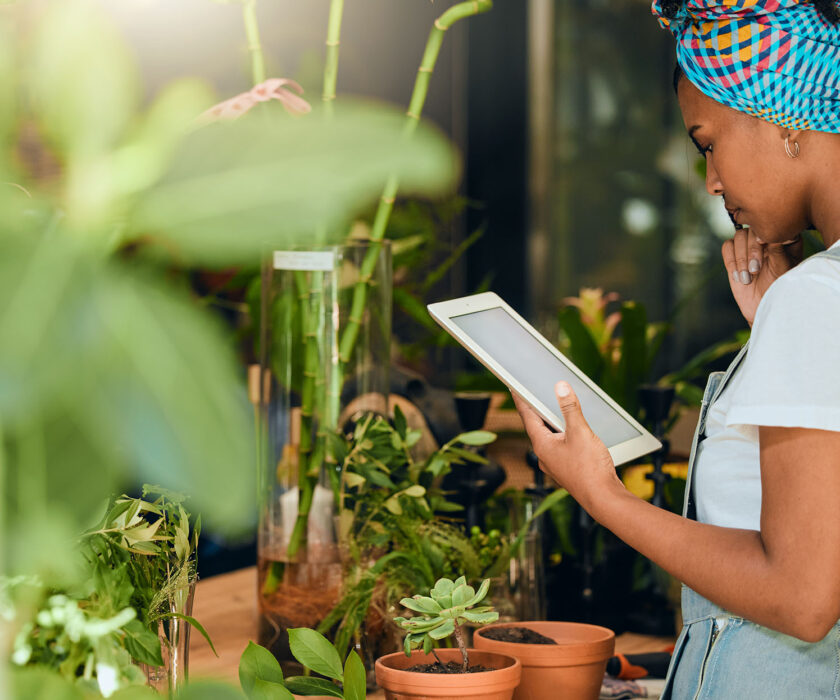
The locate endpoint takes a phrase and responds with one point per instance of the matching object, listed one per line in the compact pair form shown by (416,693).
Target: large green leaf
(108,376)
(142,644)
(633,365)
(354,678)
(316,653)
(582,348)
(266,690)
(308,685)
(258,663)
(265,180)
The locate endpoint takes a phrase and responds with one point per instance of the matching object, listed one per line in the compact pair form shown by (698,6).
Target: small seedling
(448,606)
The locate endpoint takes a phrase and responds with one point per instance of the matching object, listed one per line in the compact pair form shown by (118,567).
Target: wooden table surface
(226,606)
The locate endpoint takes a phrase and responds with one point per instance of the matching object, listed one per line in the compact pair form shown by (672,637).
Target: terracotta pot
(573,668)
(399,684)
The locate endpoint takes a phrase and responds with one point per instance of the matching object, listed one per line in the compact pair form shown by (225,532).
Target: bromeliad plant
(449,605)
(618,348)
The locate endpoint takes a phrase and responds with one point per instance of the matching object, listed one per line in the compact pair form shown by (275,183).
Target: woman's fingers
(741,251)
(742,255)
(532,420)
(755,253)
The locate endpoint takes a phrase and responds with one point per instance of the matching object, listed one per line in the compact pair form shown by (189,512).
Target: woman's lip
(733,215)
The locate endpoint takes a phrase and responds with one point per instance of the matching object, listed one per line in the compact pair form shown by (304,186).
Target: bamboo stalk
(309,292)
(389,193)
(331,64)
(252,32)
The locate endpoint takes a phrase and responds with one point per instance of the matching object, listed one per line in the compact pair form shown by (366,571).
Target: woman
(758,546)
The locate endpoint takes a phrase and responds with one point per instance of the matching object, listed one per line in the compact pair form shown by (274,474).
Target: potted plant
(559,659)
(447,673)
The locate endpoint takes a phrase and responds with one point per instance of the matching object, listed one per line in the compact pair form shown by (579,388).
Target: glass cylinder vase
(174,635)
(324,356)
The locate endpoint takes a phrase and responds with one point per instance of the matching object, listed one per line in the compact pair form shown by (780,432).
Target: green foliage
(109,373)
(261,676)
(618,363)
(618,349)
(139,563)
(440,614)
(77,643)
(393,519)
(395,522)
(423,255)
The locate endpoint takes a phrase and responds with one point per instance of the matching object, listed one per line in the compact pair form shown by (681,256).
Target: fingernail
(562,389)
(735,276)
(754,265)
(745,277)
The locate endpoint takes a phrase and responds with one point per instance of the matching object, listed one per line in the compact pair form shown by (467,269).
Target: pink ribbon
(271,89)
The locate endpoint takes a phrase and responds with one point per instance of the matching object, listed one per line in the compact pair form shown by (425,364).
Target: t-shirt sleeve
(791,374)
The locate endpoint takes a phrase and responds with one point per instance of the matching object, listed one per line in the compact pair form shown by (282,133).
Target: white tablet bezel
(443,312)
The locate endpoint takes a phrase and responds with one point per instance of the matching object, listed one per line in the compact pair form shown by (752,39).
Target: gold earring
(795,152)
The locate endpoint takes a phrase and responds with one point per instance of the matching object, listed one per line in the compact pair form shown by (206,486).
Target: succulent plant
(441,613)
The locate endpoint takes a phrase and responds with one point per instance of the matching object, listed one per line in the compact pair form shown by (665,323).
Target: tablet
(530,365)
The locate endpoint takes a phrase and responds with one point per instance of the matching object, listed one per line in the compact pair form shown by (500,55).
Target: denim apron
(721,656)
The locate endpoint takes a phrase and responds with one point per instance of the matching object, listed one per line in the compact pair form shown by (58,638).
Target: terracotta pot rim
(569,653)
(399,680)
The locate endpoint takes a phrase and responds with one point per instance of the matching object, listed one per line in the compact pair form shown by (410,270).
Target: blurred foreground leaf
(270,181)
(111,377)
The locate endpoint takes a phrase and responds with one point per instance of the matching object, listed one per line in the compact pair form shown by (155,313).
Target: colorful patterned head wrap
(778,60)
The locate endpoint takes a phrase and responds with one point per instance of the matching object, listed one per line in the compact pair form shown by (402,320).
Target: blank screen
(528,361)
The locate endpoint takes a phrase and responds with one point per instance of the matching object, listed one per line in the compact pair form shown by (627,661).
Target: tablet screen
(528,361)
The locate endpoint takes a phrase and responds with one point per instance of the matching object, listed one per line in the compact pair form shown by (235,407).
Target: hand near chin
(576,459)
(754,265)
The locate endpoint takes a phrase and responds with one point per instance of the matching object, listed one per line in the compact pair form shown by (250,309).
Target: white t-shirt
(790,377)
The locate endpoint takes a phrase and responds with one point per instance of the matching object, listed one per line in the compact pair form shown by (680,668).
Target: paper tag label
(304,260)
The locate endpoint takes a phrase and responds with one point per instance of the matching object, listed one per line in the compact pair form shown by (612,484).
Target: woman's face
(746,164)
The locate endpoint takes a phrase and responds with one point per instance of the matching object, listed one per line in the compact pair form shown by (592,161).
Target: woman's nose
(713,183)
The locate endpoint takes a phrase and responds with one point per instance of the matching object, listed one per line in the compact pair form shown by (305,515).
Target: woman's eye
(704,149)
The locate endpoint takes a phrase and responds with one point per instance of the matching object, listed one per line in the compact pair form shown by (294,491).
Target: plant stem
(252,32)
(386,200)
(331,65)
(440,663)
(309,291)
(459,637)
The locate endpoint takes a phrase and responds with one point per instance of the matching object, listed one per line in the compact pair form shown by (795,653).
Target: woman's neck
(825,203)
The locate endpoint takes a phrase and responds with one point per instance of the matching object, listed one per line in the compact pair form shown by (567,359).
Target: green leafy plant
(394,520)
(154,544)
(139,563)
(449,605)
(261,676)
(398,529)
(618,348)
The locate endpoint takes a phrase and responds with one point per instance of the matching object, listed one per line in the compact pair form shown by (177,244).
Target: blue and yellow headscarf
(775,59)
